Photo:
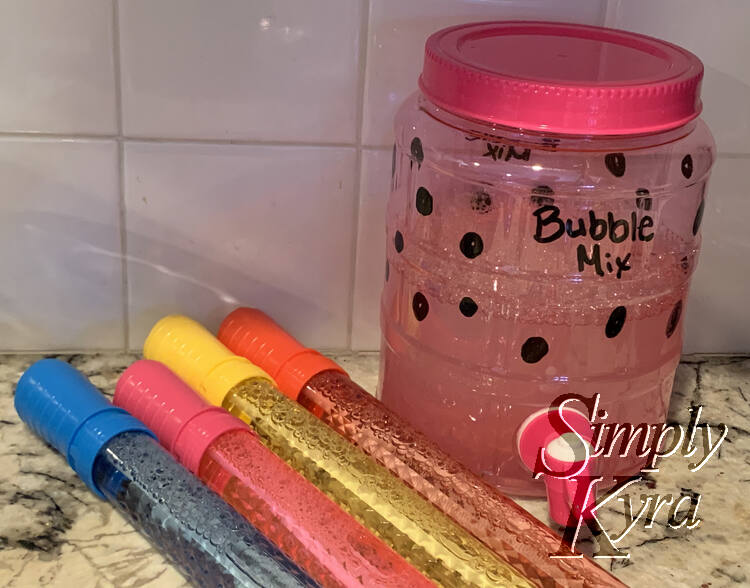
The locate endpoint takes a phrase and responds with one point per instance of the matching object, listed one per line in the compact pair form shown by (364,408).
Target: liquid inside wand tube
(433,543)
(224,453)
(323,388)
(118,458)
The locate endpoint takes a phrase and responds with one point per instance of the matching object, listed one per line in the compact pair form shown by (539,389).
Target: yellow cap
(198,358)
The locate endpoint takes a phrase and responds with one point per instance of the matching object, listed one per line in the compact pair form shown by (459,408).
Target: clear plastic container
(533,252)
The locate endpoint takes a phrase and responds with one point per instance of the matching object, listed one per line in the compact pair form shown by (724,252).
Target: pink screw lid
(561,78)
(182,421)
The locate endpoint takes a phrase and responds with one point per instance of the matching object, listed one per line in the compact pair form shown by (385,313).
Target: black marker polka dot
(687,166)
(467,306)
(481,202)
(674,319)
(615,163)
(416,150)
(398,241)
(698,217)
(387,270)
(424,202)
(420,306)
(643,200)
(542,196)
(534,349)
(471,245)
(616,322)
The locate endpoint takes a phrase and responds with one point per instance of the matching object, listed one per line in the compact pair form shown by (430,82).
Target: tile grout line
(364,28)
(124,248)
(138,350)
(239,142)
(121,171)
(383,148)
(31,136)
(611,13)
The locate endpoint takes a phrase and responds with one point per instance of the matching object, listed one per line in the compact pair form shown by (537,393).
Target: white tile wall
(210,227)
(57,67)
(717,315)
(60,242)
(308,89)
(273,70)
(370,266)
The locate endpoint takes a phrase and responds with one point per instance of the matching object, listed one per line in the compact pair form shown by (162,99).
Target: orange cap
(254,335)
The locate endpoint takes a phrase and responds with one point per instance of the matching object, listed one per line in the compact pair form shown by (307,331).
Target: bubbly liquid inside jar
(524,265)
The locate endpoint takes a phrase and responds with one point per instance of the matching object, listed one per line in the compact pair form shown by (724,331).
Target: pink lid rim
(653,106)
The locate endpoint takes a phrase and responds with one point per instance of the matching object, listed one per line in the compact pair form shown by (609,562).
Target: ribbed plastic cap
(61,406)
(181,420)
(562,78)
(198,358)
(253,334)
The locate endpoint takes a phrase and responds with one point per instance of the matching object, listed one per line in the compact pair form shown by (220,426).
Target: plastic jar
(543,224)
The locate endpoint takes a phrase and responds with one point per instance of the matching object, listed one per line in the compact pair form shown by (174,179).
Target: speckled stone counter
(54,532)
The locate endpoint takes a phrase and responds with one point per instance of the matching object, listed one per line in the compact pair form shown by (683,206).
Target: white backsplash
(200,154)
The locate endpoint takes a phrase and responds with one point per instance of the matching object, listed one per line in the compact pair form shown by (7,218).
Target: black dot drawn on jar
(420,306)
(471,245)
(685,264)
(687,166)
(534,349)
(542,196)
(615,163)
(468,307)
(643,199)
(387,270)
(417,153)
(698,216)
(674,319)
(424,201)
(616,322)
(398,241)
(481,202)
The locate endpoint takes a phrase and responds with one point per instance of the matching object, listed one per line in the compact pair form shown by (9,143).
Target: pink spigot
(555,445)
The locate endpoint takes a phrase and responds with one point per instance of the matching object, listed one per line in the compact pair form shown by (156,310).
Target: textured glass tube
(438,547)
(490,516)
(331,545)
(210,543)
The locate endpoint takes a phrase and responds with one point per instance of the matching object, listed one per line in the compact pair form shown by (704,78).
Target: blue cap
(67,411)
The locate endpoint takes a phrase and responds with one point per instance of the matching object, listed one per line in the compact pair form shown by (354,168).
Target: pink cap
(562,78)
(182,421)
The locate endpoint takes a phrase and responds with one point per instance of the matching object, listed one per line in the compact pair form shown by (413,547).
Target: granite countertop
(54,532)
